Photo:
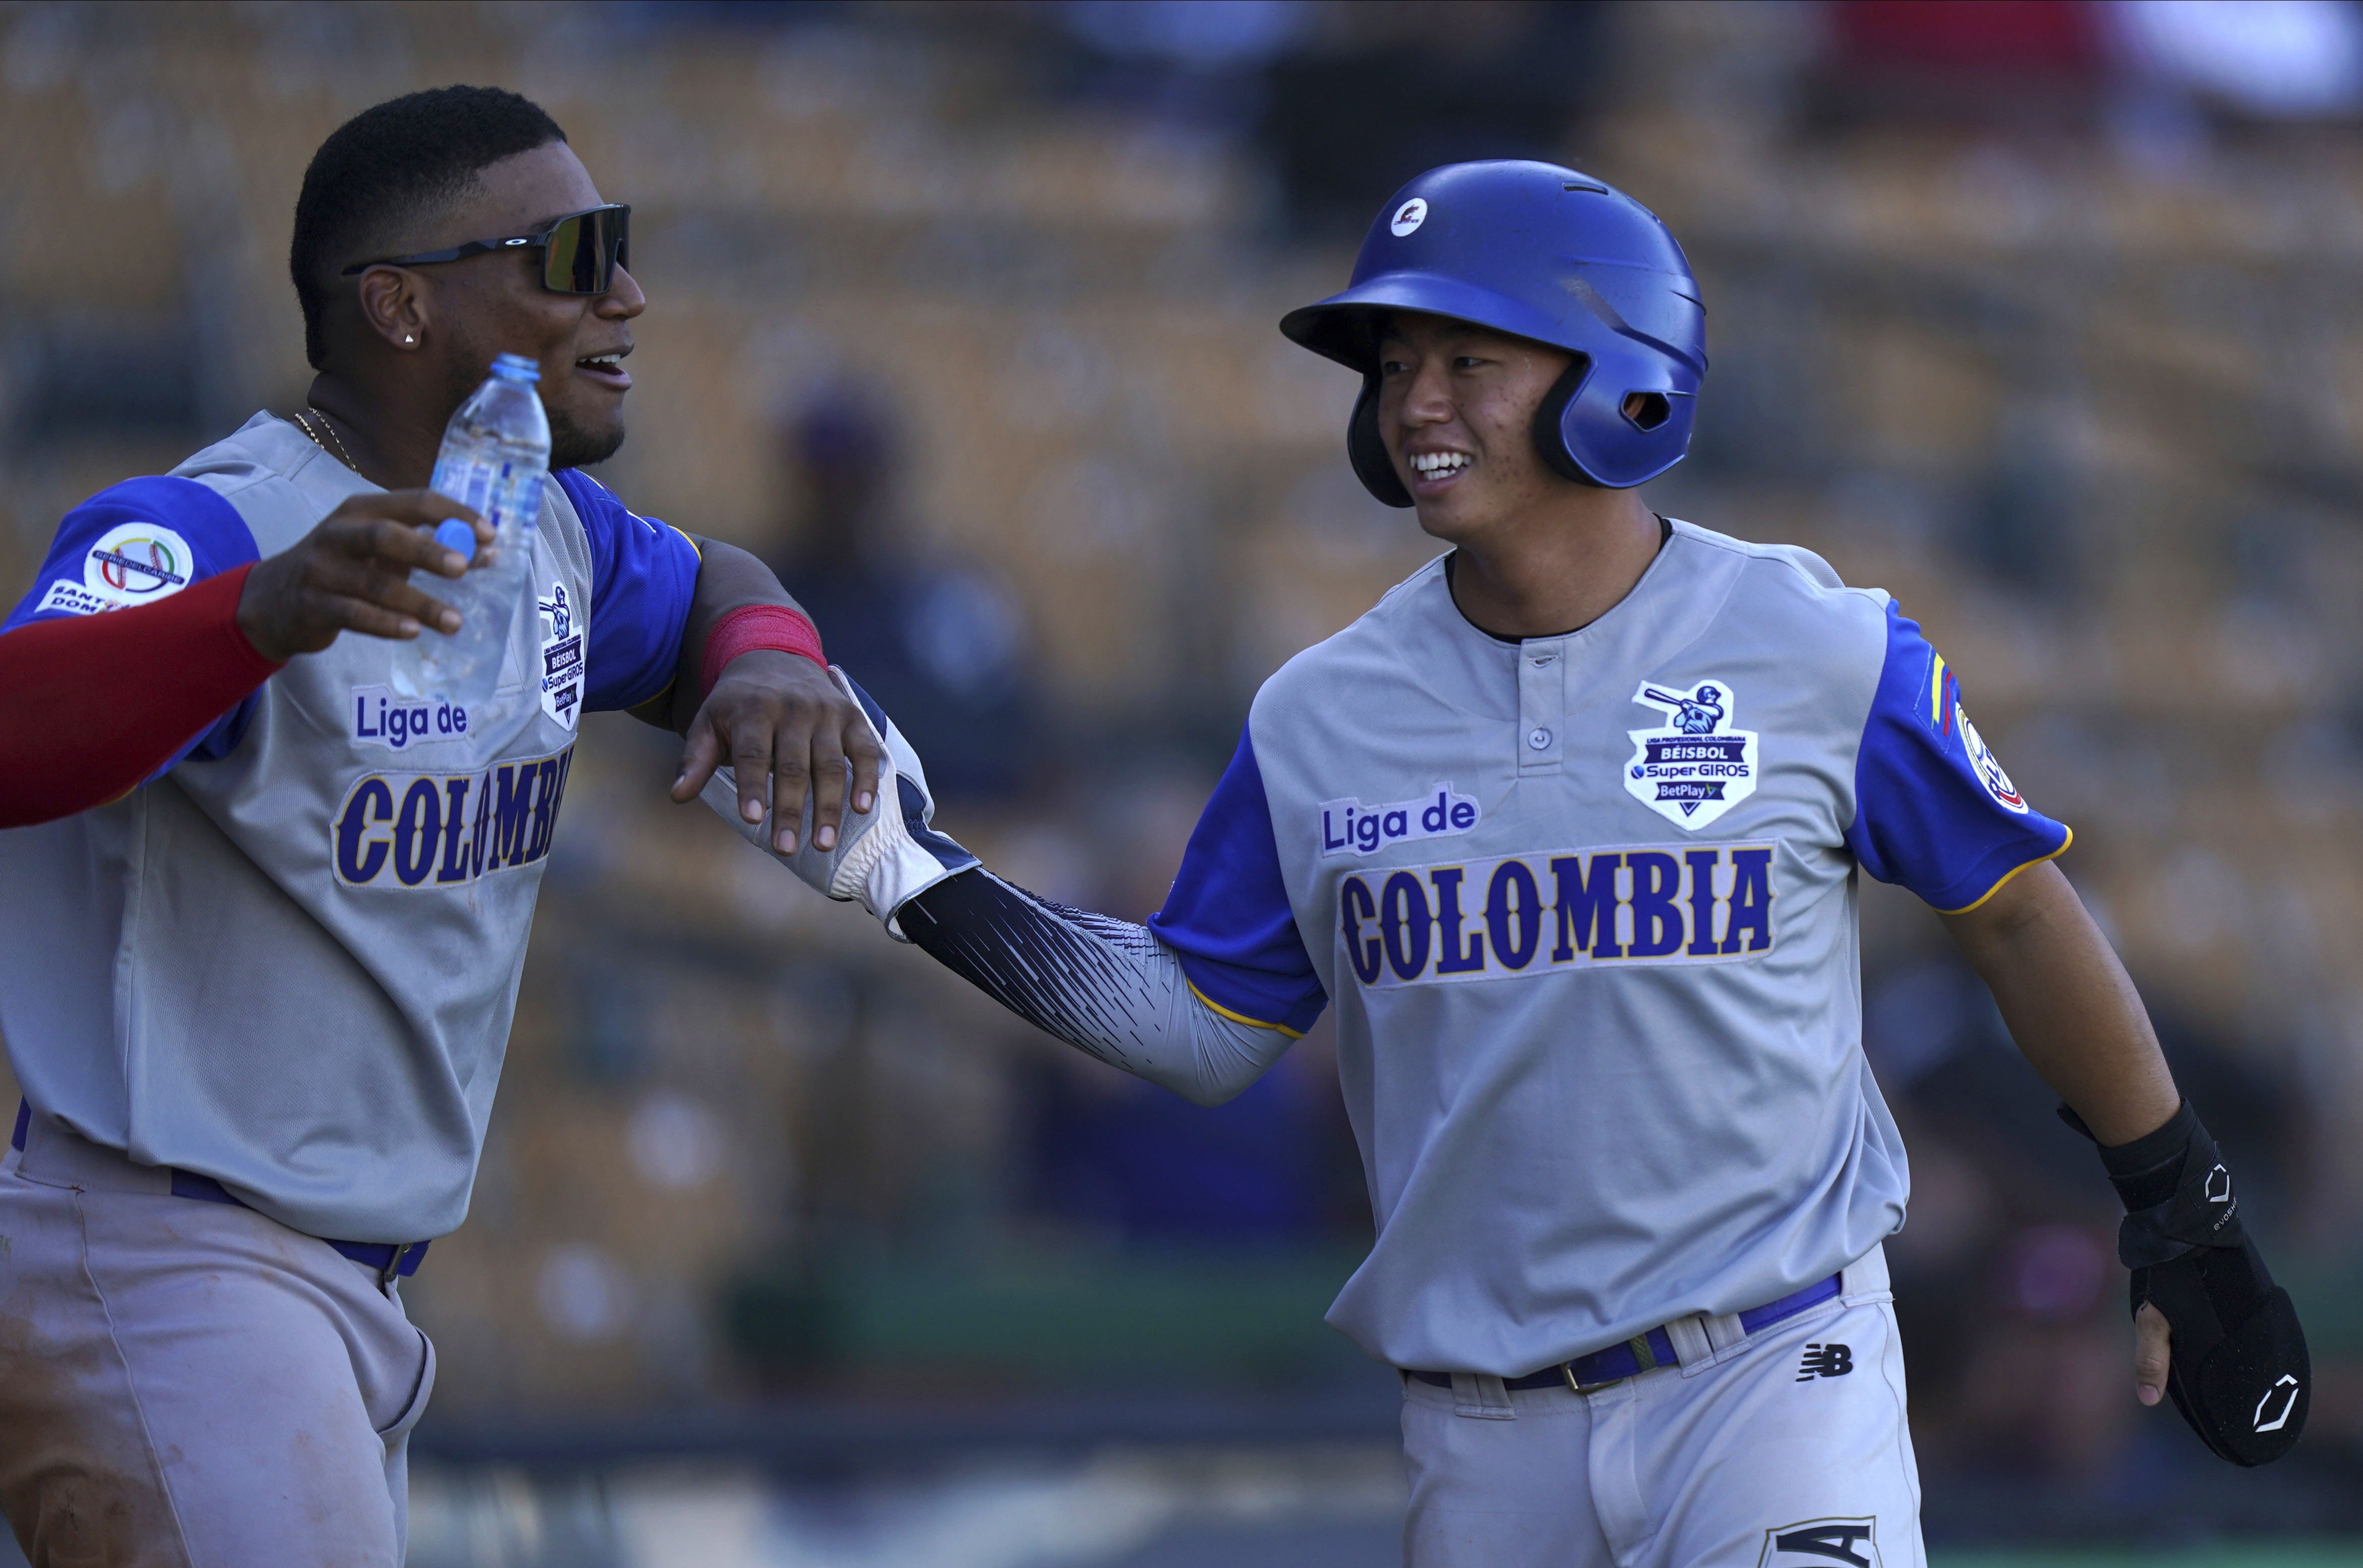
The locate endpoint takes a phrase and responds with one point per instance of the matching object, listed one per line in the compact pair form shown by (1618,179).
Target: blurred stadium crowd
(2047,316)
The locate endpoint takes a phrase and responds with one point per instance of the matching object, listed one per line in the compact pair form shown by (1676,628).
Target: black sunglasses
(580,253)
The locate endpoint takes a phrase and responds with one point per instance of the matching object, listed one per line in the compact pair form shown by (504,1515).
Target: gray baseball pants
(190,1385)
(1786,1448)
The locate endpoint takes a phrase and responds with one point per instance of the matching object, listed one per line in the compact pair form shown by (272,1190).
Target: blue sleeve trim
(1934,811)
(643,578)
(124,546)
(1228,919)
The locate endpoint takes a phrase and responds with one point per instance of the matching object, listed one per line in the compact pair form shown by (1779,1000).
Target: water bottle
(496,456)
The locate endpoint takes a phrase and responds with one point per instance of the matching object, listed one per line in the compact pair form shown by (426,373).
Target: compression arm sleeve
(1106,986)
(92,706)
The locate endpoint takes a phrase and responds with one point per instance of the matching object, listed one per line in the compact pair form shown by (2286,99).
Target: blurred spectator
(1194,64)
(1208,34)
(2005,1267)
(1416,83)
(2014,60)
(2003,38)
(1945,1061)
(1114,1154)
(938,642)
(2026,528)
(2042,60)
(1346,102)
(2268,59)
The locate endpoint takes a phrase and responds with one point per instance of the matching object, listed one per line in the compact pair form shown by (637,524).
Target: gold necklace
(339,454)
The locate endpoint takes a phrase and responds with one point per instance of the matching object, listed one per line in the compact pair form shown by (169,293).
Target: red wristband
(753,626)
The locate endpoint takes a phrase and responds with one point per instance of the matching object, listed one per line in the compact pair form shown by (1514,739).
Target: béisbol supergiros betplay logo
(1695,768)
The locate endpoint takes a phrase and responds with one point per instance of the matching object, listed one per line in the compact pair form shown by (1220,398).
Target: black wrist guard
(2239,1372)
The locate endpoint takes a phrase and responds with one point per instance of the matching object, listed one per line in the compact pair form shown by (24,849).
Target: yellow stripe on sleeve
(2013,871)
(1239,1017)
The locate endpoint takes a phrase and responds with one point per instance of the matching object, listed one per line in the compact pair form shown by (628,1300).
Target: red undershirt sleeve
(90,706)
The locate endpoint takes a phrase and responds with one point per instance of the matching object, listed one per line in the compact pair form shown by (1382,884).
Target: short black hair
(389,166)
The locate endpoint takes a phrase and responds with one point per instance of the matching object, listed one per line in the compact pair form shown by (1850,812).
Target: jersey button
(1538,738)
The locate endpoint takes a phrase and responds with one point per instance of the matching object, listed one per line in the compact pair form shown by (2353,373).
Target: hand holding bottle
(360,570)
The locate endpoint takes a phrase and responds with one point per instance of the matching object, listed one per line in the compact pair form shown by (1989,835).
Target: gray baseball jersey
(289,961)
(1586,905)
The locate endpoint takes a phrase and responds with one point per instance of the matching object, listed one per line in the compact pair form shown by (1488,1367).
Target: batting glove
(885,858)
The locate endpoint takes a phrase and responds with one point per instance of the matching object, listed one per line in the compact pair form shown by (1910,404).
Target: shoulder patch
(131,563)
(1990,773)
(1944,714)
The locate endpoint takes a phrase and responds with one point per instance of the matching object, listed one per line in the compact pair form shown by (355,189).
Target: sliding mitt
(2238,1372)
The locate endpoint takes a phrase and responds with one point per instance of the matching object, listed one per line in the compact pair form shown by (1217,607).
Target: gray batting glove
(885,858)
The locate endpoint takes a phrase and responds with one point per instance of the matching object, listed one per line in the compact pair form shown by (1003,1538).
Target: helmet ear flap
(1550,423)
(1367,449)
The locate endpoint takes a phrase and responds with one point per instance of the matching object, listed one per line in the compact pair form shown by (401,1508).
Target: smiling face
(495,304)
(1457,411)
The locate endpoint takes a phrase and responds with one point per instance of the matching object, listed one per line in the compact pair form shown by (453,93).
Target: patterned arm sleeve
(1107,988)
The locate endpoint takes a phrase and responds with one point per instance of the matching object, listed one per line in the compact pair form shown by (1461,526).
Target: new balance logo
(1825,1361)
(1821,1540)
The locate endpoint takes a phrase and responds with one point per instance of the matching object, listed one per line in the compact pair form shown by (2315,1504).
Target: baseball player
(260,943)
(1568,828)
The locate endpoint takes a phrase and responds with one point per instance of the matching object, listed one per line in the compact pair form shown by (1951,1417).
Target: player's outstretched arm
(784,728)
(2212,1329)
(2069,1004)
(165,672)
(1108,988)
(170,668)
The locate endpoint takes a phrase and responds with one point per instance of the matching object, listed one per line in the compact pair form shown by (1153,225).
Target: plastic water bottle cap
(454,535)
(515,367)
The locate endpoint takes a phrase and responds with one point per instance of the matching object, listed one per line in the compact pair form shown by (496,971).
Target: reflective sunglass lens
(574,253)
(583,253)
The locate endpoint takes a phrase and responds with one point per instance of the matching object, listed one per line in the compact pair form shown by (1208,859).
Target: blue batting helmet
(1541,252)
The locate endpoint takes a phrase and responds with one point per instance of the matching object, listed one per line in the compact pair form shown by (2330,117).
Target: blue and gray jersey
(1586,907)
(289,961)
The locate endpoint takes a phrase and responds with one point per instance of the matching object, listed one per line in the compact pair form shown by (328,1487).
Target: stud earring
(407,340)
